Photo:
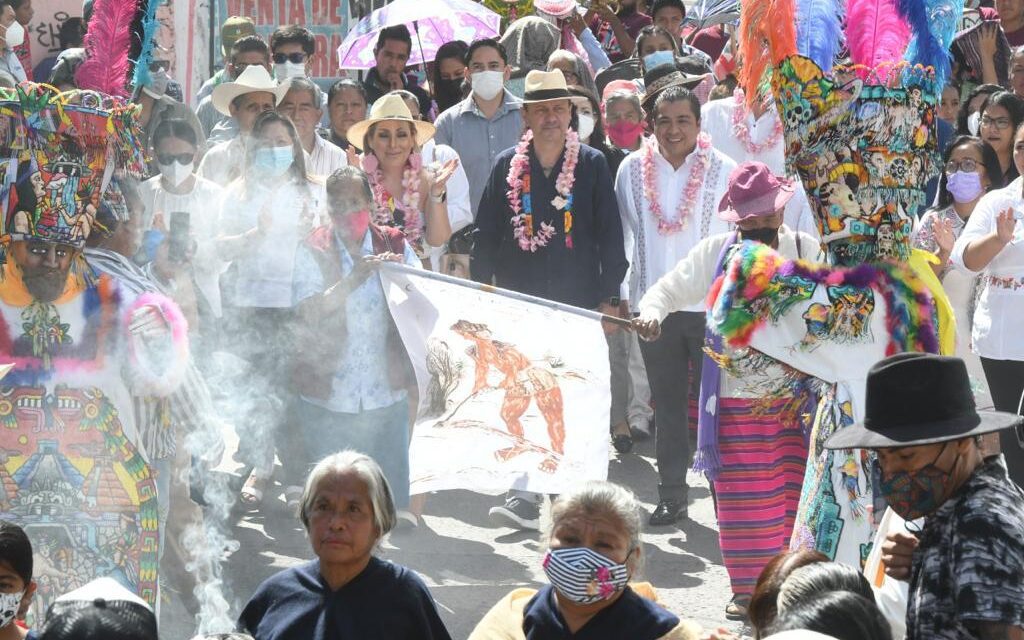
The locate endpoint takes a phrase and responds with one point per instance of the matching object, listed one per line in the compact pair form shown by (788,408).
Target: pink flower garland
(384,212)
(742,131)
(693,186)
(519,192)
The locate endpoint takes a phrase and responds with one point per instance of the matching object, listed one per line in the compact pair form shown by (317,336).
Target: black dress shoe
(623,443)
(668,512)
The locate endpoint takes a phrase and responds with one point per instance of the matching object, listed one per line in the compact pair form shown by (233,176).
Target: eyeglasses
(298,57)
(998,123)
(968,165)
(181,158)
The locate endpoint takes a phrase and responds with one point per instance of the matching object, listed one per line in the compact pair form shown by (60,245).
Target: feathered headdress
(58,152)
(767,35)
(819,34)
(140,78)
(108,41)
(933,24)
(876,34)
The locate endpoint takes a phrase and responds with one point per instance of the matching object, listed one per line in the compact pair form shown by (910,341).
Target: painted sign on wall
(327,19)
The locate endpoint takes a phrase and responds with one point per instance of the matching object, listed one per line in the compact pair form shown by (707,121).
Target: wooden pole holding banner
(476,286)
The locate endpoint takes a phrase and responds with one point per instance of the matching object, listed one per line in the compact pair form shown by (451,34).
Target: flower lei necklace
(411,225)
(742,131)
(690,195)
(522,204)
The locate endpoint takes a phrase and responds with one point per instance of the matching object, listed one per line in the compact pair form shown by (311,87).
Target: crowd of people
(604,158)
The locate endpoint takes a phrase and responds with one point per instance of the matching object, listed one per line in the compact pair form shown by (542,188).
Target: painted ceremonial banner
(513,395)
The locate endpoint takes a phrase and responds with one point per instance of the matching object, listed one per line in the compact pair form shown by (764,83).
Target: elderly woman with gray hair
(347,592)
(594,550)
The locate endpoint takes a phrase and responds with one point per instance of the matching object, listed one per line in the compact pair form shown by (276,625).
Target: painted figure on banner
(73,471)
(512,394)
(522,382)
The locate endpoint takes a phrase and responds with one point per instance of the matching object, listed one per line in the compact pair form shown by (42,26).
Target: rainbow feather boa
(756,273)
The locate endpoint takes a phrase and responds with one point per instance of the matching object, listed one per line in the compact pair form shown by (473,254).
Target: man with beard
(83,480)
(746,445)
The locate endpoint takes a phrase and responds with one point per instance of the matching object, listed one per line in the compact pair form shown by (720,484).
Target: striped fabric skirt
(758,488)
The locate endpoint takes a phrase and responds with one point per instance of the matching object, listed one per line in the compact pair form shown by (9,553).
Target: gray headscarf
(530,41)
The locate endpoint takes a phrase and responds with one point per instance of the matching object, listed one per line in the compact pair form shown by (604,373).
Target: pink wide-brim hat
(754,192)
(557,8)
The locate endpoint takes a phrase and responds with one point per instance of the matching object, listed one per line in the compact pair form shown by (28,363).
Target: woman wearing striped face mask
(593,553)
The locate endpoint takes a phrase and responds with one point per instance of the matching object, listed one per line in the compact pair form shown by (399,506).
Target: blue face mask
(273,162)
(658,58)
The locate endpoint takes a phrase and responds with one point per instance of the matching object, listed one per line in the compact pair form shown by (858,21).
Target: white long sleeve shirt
(997,316)
(687,284)
(650,253)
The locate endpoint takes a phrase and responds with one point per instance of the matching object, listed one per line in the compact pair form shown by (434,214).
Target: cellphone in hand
(179,236)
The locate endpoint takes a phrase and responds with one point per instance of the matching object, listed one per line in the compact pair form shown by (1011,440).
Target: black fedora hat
(915,399)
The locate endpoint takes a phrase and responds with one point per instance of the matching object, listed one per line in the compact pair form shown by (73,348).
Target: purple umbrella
(431,23)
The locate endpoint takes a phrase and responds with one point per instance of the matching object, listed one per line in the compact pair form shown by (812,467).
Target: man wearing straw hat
(548,224)
(244,99)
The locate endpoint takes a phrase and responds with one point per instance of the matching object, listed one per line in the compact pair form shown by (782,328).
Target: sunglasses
(181,158)
(297,57)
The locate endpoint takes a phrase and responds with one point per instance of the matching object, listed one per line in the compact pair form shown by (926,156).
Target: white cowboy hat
(254,78)
(542,86)
(389,107)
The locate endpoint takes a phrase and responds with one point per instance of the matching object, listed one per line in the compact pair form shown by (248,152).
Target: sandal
(252,491)
(737,608)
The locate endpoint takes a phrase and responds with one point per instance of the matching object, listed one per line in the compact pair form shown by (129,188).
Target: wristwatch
(441,198)
(613,301)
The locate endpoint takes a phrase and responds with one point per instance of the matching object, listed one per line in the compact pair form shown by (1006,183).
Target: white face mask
(487,84)
(288,70)
(586,126)
(14,35)
(9,605)
(176,173)
(974,123)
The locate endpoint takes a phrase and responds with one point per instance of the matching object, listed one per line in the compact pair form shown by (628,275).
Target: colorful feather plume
(932,24)
(876,33)
(767,34)
(782,36)
(752,280)
(107,43)
(150,24)
(819,34)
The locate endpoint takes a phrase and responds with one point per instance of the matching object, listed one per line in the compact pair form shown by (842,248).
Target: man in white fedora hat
(548,224)
(244,99)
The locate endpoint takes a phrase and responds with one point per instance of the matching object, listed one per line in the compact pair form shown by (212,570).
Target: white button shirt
(716,119)
(325,158)
(651,254)
(997,316)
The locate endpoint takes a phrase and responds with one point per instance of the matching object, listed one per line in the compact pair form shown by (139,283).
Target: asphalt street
(469,564)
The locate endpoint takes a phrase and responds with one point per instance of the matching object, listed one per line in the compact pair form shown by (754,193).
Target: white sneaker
(406,520)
